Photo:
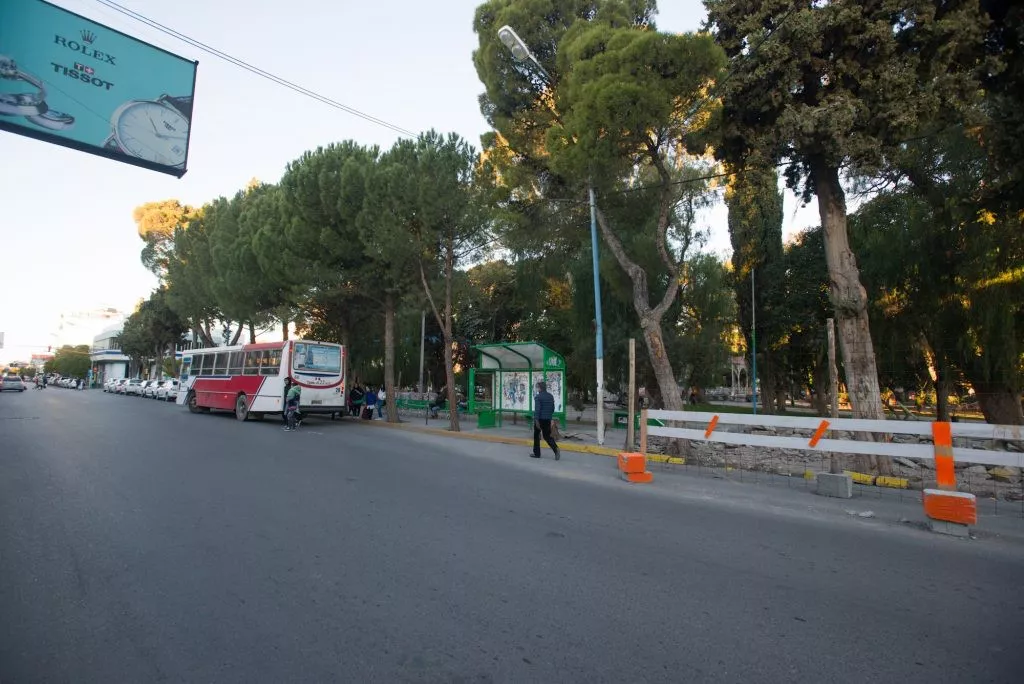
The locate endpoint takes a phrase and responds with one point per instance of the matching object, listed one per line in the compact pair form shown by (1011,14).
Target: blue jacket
(544,405)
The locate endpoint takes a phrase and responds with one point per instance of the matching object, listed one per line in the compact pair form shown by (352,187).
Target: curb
(498,439)
(860,478)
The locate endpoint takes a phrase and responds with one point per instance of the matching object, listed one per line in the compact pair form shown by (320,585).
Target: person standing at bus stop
(543,412)
(291,410)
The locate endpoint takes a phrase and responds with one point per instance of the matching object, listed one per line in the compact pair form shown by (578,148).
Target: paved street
(140,543)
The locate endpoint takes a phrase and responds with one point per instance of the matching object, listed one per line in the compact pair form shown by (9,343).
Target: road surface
(140,543)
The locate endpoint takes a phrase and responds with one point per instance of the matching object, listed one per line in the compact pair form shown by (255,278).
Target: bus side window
(271,362)
(186,367)
(252,362)
(220,363)
(204,365)
(235,363)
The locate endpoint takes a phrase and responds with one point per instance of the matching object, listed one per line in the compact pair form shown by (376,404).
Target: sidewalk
(902,505)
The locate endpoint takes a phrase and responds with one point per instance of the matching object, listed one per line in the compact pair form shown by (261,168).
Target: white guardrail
(818,442)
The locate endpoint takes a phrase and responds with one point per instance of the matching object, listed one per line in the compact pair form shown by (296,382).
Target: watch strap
(182,104)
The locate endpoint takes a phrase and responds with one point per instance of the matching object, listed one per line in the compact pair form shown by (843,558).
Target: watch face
(152,131)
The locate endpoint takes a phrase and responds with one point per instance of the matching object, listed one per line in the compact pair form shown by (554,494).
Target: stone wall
(1003,482)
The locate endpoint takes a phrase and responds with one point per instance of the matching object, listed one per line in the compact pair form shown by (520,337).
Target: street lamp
(511,40)
(517,46)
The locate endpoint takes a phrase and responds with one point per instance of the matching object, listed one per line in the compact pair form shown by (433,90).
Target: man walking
(543,412)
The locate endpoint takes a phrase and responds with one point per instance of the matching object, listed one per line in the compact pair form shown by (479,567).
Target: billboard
(67,80)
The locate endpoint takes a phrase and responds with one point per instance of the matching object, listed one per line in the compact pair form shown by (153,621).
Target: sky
(66,216)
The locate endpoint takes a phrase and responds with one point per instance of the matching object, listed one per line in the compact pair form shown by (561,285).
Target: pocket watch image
(152,130)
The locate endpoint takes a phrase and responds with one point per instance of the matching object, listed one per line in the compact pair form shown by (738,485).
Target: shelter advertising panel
(73,82)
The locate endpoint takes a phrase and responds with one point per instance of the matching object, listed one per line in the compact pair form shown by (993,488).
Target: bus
(249,379)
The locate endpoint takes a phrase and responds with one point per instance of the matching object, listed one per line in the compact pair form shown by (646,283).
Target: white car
(168,390)
(134,386)
(12,383)
(149,388)
(120,385)
(110,385)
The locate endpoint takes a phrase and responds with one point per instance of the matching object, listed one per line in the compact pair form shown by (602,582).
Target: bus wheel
(193,404)
(241,408)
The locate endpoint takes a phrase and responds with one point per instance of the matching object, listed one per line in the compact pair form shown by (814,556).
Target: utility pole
(753,340)
(599,345)
(630,427)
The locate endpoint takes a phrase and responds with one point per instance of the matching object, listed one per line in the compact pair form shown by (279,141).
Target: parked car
(12,383)
(148,388)
(134,387)
(168,390)
(110,384)
(120,385)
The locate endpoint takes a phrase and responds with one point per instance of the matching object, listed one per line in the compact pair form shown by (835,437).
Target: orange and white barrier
(633,467)
(945,503)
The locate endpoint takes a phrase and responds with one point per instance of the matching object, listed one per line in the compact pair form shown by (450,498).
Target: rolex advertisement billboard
(70,81)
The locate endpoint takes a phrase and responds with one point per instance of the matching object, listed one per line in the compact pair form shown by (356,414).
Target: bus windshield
(317,358)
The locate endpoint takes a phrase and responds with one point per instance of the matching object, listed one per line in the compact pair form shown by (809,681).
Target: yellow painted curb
(860,478)
(496,439)
(894,482)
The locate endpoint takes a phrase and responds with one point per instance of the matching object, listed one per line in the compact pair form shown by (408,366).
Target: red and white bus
(249,379)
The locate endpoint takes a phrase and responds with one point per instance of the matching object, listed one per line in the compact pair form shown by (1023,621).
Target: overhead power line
(253,69)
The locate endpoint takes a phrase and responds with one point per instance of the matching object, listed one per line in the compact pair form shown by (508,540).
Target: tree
(191,275)
(613,116)
(755,230)
(152,329)
(830,84)
(323,249)
(946,271)
(424,212)
(70,361)
(157,223)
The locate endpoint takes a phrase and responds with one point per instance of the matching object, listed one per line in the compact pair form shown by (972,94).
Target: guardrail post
(643,432)
(948,511)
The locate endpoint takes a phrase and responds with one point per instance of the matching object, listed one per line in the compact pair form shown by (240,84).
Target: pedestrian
(371,401)
(381,398)
(356,396)
(543,412)
(292,396)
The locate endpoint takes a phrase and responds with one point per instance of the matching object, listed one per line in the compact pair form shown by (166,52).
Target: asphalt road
(140,543)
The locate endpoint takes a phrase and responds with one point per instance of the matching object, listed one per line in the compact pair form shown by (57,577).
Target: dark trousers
(292,413)
(542,426)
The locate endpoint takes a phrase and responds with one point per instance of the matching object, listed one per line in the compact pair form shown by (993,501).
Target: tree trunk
(345,363)
(1000,403)
(252,333)
(284,329)
(389,357)
(671,396)
(650,319)
(942,387)
(850,301)
(766,397)
(445,323)
(238,333)
(822,406)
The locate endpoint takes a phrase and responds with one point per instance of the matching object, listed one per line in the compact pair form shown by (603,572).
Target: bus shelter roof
(514,355)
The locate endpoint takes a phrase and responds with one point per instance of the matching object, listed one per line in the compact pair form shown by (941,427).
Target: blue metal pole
(599,350)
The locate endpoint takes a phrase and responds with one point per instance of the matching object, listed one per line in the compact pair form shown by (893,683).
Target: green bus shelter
(509,373)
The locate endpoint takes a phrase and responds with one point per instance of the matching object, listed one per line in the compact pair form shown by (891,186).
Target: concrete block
(951,528)
(839,486)
(646,476)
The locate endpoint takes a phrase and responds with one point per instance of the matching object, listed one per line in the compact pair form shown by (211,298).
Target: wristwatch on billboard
(32,106)
(153,130)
